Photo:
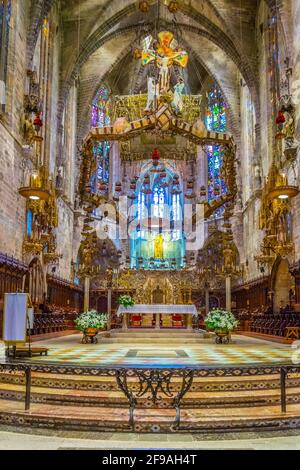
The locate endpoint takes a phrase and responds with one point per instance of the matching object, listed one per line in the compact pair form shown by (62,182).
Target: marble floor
(62,440)
(131,349)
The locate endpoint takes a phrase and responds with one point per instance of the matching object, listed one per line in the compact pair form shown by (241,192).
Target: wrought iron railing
(153,382)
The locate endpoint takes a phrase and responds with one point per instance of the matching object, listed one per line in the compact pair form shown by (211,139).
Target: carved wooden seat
(136,320)
(292,332)
(177,320)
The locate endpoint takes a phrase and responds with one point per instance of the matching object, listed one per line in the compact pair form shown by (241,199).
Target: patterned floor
(244,350)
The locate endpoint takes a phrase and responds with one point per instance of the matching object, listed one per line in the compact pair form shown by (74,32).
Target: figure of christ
(164,74)
(159,247)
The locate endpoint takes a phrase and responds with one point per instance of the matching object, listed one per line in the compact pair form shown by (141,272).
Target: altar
(158,310)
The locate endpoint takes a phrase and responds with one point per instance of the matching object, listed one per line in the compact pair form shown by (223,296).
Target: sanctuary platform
(153,381)
(167,348)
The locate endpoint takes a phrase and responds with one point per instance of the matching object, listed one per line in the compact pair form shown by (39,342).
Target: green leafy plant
(91,319)
(220,320)
(126,301)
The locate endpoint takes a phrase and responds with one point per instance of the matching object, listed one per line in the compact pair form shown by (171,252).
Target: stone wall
(14,162)
(12,205)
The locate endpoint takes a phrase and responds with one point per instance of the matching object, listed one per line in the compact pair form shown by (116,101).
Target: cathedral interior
(149,153)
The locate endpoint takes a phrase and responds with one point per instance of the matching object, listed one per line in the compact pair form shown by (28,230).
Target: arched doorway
(283,283)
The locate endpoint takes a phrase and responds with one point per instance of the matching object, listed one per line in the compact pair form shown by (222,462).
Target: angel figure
(153,93)
(177,103)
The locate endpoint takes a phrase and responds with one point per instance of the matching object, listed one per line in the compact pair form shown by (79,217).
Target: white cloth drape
(15,317)
(171,309)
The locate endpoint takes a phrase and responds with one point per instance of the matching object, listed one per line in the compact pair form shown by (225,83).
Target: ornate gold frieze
(132,107)
(275,217)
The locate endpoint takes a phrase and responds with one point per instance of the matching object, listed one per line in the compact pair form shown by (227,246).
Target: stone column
(125,321)
(228,293)
(109,294)
(206,300)
(30,285)
(86,304)
(157,321)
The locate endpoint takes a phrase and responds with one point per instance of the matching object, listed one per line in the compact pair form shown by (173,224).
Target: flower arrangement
(91,319)
(126,301)
(220,320)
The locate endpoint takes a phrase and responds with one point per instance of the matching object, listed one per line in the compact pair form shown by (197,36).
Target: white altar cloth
(139,309)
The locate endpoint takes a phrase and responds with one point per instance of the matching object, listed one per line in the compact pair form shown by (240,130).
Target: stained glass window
(100,118)
(216,185)
(177,215)
(155,199)
(216,120)
(100,108)
(29,223)
(146,42)
(216,116)
(159,200)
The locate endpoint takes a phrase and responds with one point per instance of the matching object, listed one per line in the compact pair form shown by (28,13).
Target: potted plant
(222,323)
(126,301)
(90,323)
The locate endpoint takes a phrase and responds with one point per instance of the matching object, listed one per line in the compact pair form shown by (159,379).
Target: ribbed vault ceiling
(98,37)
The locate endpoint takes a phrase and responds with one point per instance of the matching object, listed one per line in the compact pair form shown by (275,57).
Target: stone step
(154,420)
(154,331)
(151,339)
(98,383)
(117,398)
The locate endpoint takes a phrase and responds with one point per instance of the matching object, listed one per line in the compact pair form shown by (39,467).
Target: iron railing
(153,381)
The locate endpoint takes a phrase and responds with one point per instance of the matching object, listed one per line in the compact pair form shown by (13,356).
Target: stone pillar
(189,321)
(30,284)
(125,321)
(228,293)
(86,304)
(157,321)
(109,294)
(206,300)
(190,297)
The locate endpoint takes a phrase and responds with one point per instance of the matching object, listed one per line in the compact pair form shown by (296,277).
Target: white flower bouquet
(220,320)
(91,319)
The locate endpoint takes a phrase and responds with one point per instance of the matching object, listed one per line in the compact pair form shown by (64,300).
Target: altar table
(157,310)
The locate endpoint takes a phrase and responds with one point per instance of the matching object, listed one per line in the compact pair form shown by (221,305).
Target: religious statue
(164,55)
(28,130)
(159,247)
(35,229)
(158,295)
(257,176)
(177,103)
(153,92)
(59,179)
(282,228)
(164,75)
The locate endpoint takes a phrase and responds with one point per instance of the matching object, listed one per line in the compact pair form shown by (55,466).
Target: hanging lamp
(34,191)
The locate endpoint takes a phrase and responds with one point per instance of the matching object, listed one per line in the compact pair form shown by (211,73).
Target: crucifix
(164,55)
